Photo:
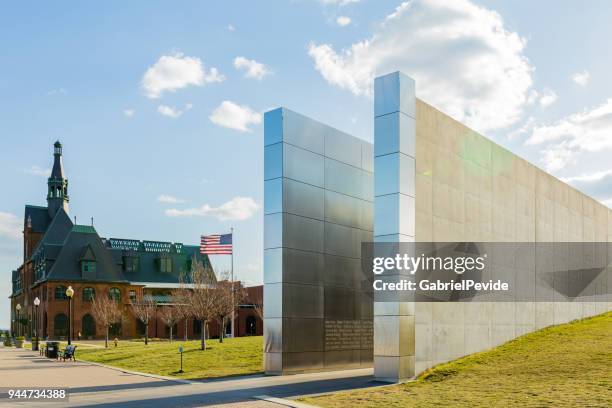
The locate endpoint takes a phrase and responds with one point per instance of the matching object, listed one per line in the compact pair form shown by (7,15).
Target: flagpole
(233,304)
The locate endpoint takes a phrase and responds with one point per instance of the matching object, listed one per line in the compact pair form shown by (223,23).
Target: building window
(60,293)
(115,329)
(114,294)
(131,263)
(60,325)
(88,324)
(132,295)
(88,267)
(251,326)
(165,265)
(88,294)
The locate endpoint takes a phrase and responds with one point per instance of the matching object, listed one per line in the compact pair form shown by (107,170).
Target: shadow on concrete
(247,394)
(119,387)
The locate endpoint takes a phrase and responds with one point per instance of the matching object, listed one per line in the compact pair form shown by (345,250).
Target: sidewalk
(94,385)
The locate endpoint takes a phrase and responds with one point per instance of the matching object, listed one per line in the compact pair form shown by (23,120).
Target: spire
(57,193)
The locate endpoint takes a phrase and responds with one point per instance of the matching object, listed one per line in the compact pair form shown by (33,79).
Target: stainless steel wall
(318,205)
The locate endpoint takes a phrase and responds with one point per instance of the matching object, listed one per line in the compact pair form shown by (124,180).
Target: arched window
(140,328)
(197,327)
(60,325)
(88,294)
(60,293)
(115,329)
(89,325)
(251,326)
(114,294)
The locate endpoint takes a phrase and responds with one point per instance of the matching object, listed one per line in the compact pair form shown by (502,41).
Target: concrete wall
(471,189)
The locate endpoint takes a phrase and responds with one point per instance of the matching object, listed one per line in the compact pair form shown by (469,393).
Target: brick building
(57,253)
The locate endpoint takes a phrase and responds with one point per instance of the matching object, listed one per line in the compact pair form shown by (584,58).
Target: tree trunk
(222,330)
(202,335)
(170,334)
(185,329)
(146,334)
(106,338)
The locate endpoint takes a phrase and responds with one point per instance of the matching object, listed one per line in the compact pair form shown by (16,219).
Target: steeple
(57,194)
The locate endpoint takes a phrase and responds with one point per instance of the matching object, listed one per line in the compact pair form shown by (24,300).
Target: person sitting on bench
(68,353)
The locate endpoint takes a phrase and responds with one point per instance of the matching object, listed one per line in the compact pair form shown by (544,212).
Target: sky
(159,105)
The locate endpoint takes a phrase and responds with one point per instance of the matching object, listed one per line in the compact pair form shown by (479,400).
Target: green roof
(85,229)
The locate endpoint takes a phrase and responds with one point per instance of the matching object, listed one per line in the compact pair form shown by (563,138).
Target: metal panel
(273,126)
(302,233)
(342,147)
(273,161)
(273,265)
(394,92)
(343,178)
(303,165)
(303,199)
(273,196)
(273,230)
(304,132)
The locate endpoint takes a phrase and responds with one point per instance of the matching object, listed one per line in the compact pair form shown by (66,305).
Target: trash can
(52,349)
(34,344)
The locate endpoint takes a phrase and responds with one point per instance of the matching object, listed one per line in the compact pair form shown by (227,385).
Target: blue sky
(161,101)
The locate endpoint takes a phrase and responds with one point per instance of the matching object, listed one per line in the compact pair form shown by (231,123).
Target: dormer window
(88,263)
(131,263)
(165,265)
(88,267)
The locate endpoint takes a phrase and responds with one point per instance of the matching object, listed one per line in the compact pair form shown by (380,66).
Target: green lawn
(568,365)
(238,356)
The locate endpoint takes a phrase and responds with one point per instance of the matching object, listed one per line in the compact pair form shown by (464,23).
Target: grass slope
(568,365)
(238,356)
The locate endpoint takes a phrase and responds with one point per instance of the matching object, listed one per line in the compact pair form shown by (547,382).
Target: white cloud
(39,171)
(129,112)
(168,199)
(188,106)
(581,78)
(173,72)
(586,131)
(597,184)
(547,98)
(236,209)
(231,27)
(169,111)
(253,68)
(234,116)
(463,58)
(10,226)
(343,21)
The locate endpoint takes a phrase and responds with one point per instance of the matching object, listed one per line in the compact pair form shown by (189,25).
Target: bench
(68,353)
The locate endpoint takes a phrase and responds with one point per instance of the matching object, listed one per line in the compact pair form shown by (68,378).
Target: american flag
(216,244)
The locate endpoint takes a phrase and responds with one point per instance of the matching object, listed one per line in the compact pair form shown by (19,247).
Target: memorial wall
(318,210)
(426,179)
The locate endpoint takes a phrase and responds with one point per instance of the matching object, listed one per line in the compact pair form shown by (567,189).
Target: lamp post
(69,293)
(36,304)
(18,308)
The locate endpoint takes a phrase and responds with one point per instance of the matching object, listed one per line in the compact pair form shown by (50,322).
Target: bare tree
(144,310)
(180,297)
(258,306)
(226,303)
(170,316)
(107,312)
(200,298)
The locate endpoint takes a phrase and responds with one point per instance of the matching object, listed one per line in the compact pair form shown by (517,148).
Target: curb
(123,370)
(283,401)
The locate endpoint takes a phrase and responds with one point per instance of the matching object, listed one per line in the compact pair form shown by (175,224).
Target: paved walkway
(92,385)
